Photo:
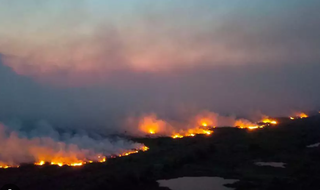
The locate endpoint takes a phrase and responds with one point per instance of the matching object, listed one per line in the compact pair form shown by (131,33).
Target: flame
(150,124)
(269,121)
(303,115)
(144,148)
(7,165)
(192,133)
(245,124)
(299,115)
(55,153)
(40,163)
(4,167)
(201,124)
(207,132)
(100,159)
(177,136)
(104,159)
(253,127)
(76,164)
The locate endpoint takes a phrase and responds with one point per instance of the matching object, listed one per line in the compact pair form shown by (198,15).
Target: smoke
(82,66)
(44,143)
(153,125)
(70,46)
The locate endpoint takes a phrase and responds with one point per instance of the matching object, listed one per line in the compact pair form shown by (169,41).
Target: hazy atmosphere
(93,64)
(159,94)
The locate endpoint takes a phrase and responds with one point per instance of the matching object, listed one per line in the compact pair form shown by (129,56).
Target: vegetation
(228,152)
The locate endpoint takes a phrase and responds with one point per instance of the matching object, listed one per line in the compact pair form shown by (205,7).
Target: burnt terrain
(228,152)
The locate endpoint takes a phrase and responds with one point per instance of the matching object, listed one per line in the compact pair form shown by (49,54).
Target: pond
(198,183)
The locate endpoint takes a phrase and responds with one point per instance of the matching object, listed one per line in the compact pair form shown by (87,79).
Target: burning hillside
(44,145)
(73,150)
(203,123)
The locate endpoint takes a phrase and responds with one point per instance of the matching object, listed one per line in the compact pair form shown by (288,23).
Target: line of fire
(204,127)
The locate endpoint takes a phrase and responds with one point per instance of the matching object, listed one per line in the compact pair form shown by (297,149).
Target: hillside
(228,152)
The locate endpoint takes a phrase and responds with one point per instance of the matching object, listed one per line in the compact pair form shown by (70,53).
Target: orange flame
(269,121)
(100,159)
(303,115)
(150,124)
(245,124)
(201,124)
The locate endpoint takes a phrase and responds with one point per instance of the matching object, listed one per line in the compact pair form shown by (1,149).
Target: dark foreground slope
(229,152)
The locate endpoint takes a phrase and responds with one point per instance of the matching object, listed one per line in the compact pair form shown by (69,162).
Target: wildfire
(100,159)
(299,116)
(245,124)
(253,127)
(64,161)
(177,136)
(269,121)
(193,133)
(40,163)
(150,124)
(6,166)
(303,115)
(144,148)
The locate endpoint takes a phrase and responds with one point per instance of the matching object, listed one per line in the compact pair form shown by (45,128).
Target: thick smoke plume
(82,66)
(153,125)
(45,144)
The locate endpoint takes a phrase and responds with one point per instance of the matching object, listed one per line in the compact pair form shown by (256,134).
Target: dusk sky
(95,62)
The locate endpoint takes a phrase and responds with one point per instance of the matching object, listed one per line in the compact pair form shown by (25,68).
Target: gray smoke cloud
(261,57)
(42,142)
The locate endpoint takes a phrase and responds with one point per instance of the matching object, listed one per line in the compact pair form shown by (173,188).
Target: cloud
(160,39)
(234,58)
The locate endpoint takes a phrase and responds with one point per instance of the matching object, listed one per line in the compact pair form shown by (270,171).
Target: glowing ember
(292,118)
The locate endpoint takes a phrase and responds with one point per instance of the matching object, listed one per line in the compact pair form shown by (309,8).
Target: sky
(92,63)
